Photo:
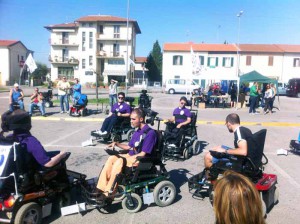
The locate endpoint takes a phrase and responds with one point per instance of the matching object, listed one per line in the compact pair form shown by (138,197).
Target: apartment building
(93,46)
(13,54)
(229,61)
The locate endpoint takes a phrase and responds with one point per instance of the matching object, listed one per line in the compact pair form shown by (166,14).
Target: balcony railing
(112,54)
(63,60)
(64,42)
(113,36)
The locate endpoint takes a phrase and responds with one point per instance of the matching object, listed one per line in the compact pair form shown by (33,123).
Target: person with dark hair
(19,122)
(63,89)
(236,200)
(243,141)
(181,117)
(141,144)
(254,94)
(16,96)
(233,96)
(118,112)
(76,90)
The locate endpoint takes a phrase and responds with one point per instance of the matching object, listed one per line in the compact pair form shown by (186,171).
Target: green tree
(40,72)
(154,63)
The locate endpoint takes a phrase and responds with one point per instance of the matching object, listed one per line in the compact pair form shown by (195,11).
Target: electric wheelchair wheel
(136,203)
(196,147)
(186,153)
(264,208)
(211,198)
(116,138)
(120,193)
(47,104)
(276,195)
(129,134)
(29,213)
(164,193)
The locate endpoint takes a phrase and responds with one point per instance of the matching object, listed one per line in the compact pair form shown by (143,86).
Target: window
(296,62)
(176,76)
(116,50)
(91,40)
(212,62)
(100,47)
(177,60)
(116,62)
(88,73)
(90,24)
(201,60)
(83,63)
(100,29)
(90,60)
(66,71)
(65,54)
(116,31)
(248,60)
(65,38)
(83,24)
(227,62)
(270,62)
(83,41)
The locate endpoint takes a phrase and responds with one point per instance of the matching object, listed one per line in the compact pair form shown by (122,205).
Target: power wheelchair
(148,180)
(251,166)
(27,190)
(188,144)
(145,100)
(79,106)
(121,131)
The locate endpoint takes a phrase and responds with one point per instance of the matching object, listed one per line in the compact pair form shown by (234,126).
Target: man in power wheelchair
(116,126)
(133,171)
(144,100)
(80,102)
(30,178)
(246,158)
(181,133)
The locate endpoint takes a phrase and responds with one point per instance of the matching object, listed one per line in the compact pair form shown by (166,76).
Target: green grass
(102,100)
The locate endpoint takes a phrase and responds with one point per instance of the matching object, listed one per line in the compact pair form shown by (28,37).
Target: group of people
(16,97)
(236,199)
(268,98)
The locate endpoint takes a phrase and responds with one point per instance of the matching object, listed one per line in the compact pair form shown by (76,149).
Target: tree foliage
(40,72)
(154,63)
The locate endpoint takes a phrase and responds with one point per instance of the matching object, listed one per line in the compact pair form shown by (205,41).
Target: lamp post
(126,62)
(238,43)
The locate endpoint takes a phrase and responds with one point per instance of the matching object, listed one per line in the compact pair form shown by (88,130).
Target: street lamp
(238,43)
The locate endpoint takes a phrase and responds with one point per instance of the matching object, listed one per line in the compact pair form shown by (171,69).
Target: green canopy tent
(255,76)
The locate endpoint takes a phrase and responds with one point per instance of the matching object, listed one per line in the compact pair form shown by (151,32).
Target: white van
(180,86)
(282,86)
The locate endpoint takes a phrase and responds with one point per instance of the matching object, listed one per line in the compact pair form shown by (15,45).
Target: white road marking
(284,174)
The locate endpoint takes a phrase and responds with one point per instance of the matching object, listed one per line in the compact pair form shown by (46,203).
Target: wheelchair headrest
(256,153)
(18,119)
(144,91)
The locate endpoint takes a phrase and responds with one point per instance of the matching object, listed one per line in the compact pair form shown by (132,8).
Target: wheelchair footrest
(295,145)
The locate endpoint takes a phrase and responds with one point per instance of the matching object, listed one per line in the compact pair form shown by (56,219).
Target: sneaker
(67,112)
(62,112)
(44,115)
(256,112)
(104,133)
(99,132)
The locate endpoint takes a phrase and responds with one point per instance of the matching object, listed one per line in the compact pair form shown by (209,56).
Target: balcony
(113,54)
(63,60)
(64,43)
(112,36)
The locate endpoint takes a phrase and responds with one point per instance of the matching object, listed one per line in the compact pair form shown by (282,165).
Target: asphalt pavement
(62,132)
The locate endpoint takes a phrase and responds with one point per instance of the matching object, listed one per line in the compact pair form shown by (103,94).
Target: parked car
(293,88)
(282,86)
(180,86)
(156,84)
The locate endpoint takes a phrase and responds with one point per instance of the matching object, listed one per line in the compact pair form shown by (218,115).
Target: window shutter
(217,59)
(174,58)
(208,61)
(231,62)
(224,62)
(181,60)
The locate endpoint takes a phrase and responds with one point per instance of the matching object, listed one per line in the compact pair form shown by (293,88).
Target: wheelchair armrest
(218,155)
(154,160)
(43,170)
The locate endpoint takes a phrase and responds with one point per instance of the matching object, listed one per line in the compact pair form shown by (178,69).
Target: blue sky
(168,21)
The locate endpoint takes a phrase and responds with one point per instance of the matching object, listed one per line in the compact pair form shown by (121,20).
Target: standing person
(113,92)
(63,88)
(232,95)
(253,98)
(274,92)
(76,90)
(236,200)
(16,95)
(243,141)
(268,99)
(141,144)
(37,100)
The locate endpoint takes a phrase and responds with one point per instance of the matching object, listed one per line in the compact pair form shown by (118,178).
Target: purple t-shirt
(34,147)
(148,143)
(123,108)
(181,114)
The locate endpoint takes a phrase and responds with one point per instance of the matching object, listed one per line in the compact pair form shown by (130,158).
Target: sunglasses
(182,103)
(121,98)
